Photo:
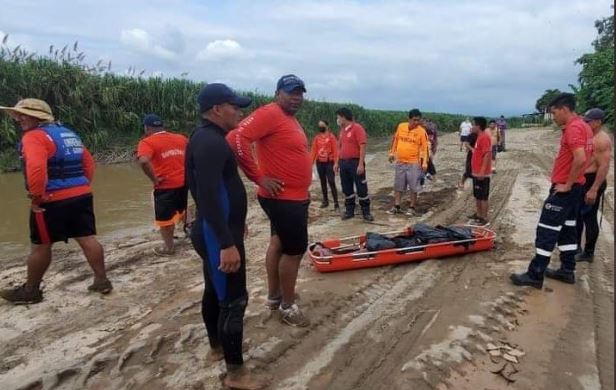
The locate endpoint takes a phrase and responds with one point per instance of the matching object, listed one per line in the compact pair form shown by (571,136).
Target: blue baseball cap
(290,82)
(218,93)
(152,120)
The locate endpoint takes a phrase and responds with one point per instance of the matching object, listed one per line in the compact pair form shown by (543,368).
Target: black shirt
(214,182)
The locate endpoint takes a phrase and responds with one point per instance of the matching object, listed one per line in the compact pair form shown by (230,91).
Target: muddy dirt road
(455,323)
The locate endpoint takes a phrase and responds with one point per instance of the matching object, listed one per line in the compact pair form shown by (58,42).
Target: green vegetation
(546,98)
(596,88)
(106,108)
(596,78)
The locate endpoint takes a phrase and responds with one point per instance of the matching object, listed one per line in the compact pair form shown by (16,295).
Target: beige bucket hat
(32,107)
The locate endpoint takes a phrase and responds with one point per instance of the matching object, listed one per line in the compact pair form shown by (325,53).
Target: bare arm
(146,166)
(602,157)
(362,154)
(487,157)
(394,146)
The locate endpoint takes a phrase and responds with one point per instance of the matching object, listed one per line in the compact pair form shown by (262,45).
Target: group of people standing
(271,148)
(482,145)
(269,145)
(578,182)
(346,156)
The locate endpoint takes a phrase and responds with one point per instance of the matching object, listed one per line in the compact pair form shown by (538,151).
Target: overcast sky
(473,57)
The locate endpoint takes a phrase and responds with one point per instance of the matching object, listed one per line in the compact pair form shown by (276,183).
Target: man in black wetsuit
(218,232)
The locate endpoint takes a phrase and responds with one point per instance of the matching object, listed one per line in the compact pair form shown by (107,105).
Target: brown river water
(122,205)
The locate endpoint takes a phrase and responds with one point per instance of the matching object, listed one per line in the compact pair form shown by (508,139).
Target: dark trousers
(431,167)
(587,216)
(557,224)
(326,175)
(503,138)
(225,296)
(349,179)
(467,166)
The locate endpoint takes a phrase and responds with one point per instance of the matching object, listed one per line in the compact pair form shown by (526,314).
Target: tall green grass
(106,108)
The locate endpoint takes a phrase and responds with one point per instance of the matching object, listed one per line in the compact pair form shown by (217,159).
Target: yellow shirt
(410,146)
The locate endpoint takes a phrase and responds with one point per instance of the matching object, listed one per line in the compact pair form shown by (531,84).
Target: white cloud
(222,50)
(137,38)
(141,41)
(480,56)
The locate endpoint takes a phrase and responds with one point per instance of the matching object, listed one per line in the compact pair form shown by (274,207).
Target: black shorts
(63,219)
(170,205)
(289,221)
(464,138)
(481,188)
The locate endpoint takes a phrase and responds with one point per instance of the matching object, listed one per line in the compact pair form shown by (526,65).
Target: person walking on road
(352,165)
(325,153)
(161,157)
(58,170)
(557,223)
(466,128)
(469,146)
(501,123)
(219,228)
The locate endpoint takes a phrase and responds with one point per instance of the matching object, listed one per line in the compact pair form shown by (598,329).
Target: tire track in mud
(597,279)
(367,325)
(398,329)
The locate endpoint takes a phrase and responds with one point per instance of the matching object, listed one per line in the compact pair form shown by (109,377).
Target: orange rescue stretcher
(346,253)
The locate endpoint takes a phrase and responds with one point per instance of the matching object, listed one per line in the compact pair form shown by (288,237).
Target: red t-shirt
(324,148)
(37,148)
(483,146)
(166,153)
(281,151)
(350,138)
(577,134)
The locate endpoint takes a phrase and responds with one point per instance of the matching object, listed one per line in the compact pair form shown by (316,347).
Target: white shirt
(465,128)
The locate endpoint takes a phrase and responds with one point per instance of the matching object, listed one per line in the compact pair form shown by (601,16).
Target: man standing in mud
(352,164)
(595,185)
(161,156)
(219,228)
(59,172)
(501,124)
(410,150)
(283,174)
(557,223)
(481,169)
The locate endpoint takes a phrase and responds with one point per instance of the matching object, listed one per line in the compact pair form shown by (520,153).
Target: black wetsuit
(220,197)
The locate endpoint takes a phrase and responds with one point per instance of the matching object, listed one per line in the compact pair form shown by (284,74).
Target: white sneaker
(293,316)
